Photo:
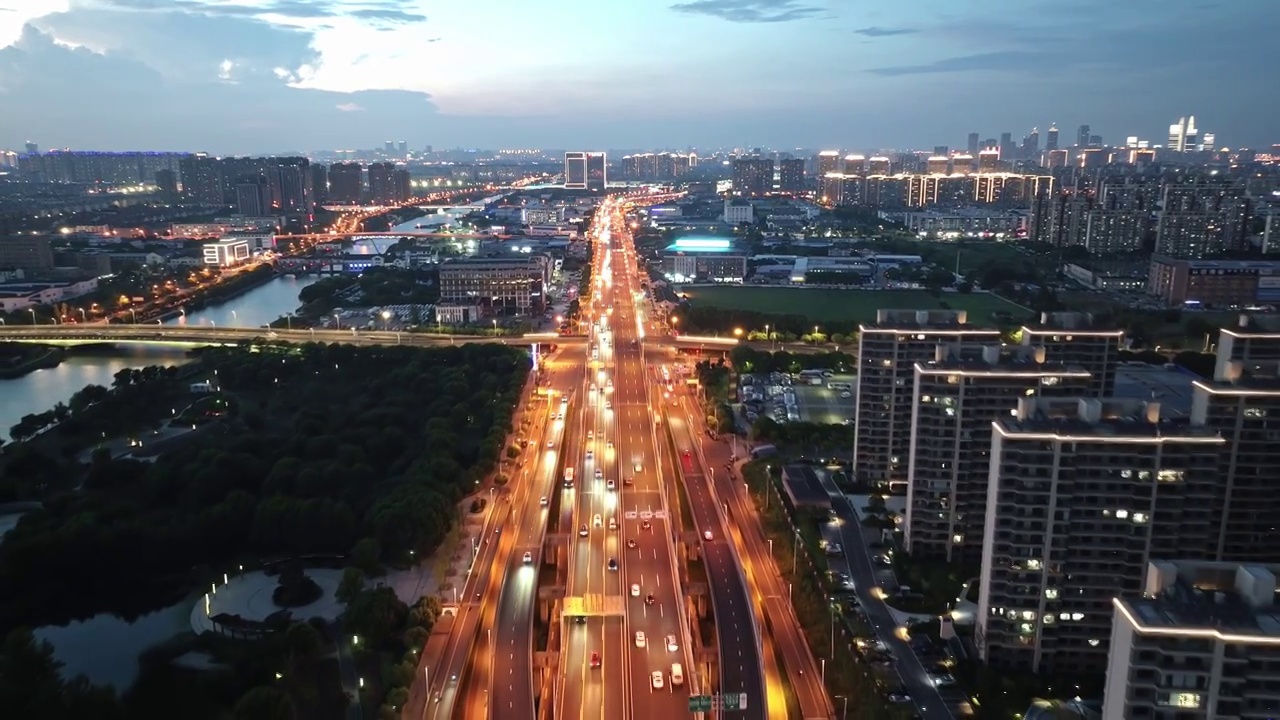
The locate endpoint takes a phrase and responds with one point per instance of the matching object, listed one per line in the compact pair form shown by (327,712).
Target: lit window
(1077,616)
(1169,476)
(1051,593)
(1139,518)
(1122,514)
(1255,412)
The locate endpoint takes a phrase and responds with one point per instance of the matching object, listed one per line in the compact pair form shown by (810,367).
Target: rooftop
(1074,321)
(924,320)
(702,245)
(1210,598)
(1173,387)
(804,486)
(1103,420)
(997,361)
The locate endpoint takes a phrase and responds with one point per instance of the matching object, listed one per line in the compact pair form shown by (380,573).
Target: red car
(595,659)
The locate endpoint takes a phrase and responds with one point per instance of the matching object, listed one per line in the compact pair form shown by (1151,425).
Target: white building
(738,211)
(1203,641)
(226,253)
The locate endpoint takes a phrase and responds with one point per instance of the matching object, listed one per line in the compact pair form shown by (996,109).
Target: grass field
(827,305)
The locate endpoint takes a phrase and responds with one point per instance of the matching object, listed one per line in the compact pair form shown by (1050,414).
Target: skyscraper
(575,170)
(1051,138)
(1007,149)
(253,197)
(32,148)
(1082,136)
(1183,136)
(828,162)
(973,144)
(382,188)
(597,171)
(319,184)
(201,179)
(1031,144)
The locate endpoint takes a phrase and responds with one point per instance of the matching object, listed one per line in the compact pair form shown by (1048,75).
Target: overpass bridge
(199,336)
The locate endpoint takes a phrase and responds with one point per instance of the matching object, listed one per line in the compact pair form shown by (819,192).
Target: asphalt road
(502,681)
(802,668)
(857,563)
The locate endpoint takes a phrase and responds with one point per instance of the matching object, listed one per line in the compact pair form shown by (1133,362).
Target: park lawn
(830,304)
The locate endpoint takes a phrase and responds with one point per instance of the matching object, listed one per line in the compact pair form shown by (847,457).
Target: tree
(366,555)
(350,586)
(375,613)
(304,642)
(265,703)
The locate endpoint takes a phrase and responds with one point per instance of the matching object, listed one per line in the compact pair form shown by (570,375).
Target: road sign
(660,514)
(733,701)
(699,703)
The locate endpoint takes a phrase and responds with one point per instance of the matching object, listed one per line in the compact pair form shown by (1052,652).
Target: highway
(726,494)
(501,682)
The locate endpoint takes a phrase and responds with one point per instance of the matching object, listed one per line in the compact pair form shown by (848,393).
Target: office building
(226,253)
(888,350)
(791,176)
(1082,494)
(202,180)
(1202,641)
(1242,402)
(1082,136)
(1006,149)
(1214,283)
(752,177)
(972,144)
(1183,135)
(957,396)
(597,171)
(346,183)
(693,259)
(26,252)
(575,171)
(1051,138)
(1031,145)
(1076,340)
(1201,219)
(499,285)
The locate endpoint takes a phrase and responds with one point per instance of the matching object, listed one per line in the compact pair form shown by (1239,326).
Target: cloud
(296,9)
(349,107)
(750,11)
(387,15)
(877,32)
(1010,60)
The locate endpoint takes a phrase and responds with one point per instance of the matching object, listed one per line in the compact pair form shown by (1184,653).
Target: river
(40,390)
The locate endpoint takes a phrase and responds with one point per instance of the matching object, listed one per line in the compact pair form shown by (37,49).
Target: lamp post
(83,317)
(386,319)
(135,315)
(337,321)
(845,713)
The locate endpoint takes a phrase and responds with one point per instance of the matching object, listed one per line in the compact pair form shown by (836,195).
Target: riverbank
(32,358)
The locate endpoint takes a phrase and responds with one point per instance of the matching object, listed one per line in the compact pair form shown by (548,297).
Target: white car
(609,445)
(610,485)
(640,639)
(596,521)
(543,501)
(657,679)
(591,434)
(599,473)
(706,535)
(528,558)
(671,644)
(635,590)
(608,405)
(551,443)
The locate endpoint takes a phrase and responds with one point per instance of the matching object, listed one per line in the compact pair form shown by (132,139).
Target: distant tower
(973,144)
(32,148)
(1051,139)
(1082,136)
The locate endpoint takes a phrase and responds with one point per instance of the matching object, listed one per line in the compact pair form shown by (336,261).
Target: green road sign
(699,703)
(733,701)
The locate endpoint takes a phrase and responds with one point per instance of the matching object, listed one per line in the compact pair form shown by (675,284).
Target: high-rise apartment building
(202,180)
(1060,218)
(1202,641)
(1051,138)
(253,197)
(888,350)
(1118,223)
(828,162)
(290,183)
(1075,339)
(1242,402)
(1082,136)
(382,183)
(657,166)
(346,185)
(957,396)
(1201,219)
(752,177)
(167,184)
(972,144)
(791,176)
(319,184)
(1082,494)
(879,165)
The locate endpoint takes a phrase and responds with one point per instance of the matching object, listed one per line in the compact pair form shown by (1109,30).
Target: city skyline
(727,73)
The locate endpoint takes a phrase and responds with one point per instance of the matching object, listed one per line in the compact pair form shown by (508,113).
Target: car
(608,445)
(671,644)
(629,481)
(685,453)
(637,467)
(657,679)
(613,564)
(591,434)
(528,558)
(599,473)
(649,599)
(898,698)
(579,619)
(640,639)
(635,590)
(646,525)
(596,521)
(631,542)
(551,443)
(590,454)
(542,501)
(610,485)
(595,658)
(706,535)
(582,531)
(608,405)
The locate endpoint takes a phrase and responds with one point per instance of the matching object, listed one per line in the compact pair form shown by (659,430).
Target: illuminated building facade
(1075,339)
(499,285)
(888,350)
(1081,495)
(704,259)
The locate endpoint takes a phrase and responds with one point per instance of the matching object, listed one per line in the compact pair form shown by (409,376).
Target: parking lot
(795,398)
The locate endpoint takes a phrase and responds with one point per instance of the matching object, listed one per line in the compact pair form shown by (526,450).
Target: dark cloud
(1019,60)
(750,11)
(877,32)
(387,15)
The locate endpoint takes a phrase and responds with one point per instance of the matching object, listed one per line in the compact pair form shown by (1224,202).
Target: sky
(263,76)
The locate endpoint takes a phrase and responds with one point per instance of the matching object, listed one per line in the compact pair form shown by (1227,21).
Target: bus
(568,477)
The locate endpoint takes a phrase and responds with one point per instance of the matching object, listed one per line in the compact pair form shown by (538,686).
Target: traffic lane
(612,678)
(579,641)
(649,567)
(512,681)
(739,653)
(858,562)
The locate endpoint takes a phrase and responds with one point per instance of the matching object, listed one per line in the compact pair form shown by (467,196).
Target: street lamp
(135,315)
(337,321)
(33,315)
(83,318)
(386,319)
(845,714)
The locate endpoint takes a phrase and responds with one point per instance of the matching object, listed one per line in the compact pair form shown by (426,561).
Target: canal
(40,390)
